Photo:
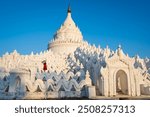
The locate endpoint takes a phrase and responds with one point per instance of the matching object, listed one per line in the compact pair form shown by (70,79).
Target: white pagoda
(72,68)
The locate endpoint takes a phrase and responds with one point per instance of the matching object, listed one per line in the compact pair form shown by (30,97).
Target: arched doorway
(121,83)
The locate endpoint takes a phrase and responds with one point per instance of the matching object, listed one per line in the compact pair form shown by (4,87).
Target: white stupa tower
(67,38)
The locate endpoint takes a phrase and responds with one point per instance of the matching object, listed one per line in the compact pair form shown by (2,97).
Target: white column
(91,92)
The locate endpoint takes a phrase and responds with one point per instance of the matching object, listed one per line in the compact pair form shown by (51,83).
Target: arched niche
(121,83)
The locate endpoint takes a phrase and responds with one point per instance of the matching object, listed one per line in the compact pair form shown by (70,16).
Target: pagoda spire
(69,9)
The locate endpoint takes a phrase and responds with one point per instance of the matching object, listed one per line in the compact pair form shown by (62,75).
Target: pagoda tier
(67,38)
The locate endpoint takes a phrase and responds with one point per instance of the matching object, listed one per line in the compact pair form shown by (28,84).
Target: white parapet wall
(145,89)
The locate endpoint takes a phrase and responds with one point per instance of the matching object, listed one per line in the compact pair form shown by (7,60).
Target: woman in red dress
(44,65)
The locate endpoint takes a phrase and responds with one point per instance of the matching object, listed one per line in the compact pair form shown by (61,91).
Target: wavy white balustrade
(55,82)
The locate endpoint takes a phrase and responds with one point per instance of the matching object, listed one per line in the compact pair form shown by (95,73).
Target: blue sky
(28,25)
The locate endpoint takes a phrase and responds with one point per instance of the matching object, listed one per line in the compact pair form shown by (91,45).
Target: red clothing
(44,66)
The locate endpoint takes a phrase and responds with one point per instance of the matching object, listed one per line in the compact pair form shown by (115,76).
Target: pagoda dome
(67,38)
